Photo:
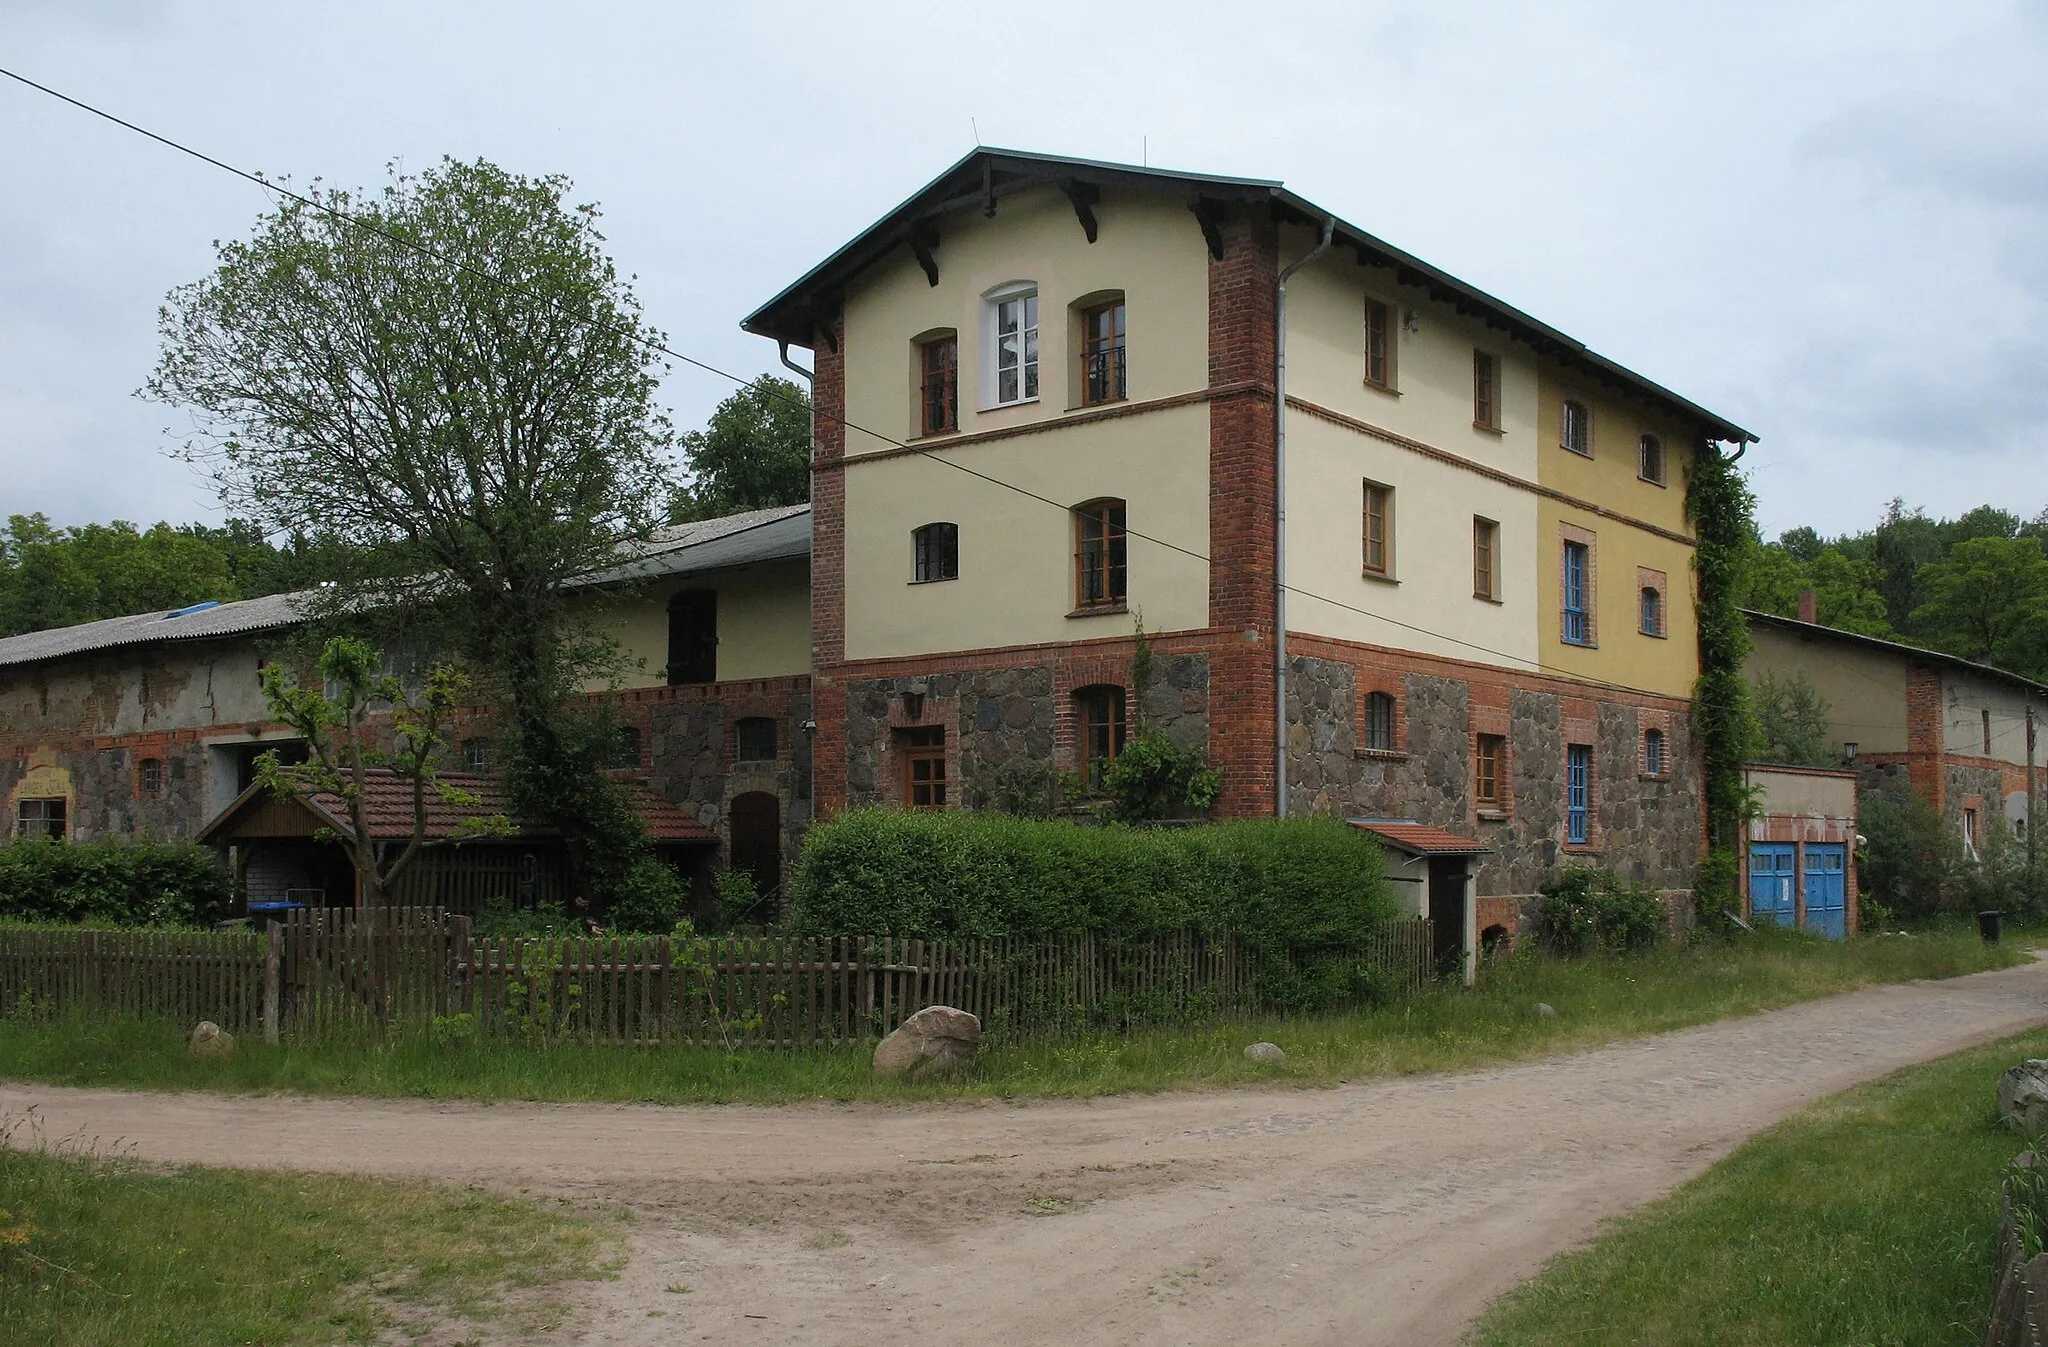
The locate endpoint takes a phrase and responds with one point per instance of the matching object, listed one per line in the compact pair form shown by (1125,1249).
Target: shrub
(112,883)
(650,899)
(1913,864)
(1300,894)
(1153,778)
(1586,910)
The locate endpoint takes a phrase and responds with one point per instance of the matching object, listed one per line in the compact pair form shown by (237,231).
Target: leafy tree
(52,577)
(338,738)
(455,395)
(1904,541)
(1802,543)
(1792,722)
(755,453)
(1913,864)
(1989,601)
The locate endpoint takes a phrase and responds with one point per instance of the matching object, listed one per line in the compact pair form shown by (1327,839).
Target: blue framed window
(1578,792)
(1653,752)
(1577,567)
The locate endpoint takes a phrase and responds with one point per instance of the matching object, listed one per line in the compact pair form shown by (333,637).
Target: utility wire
(758,384)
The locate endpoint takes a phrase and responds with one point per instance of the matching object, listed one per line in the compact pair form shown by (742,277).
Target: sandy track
(1388,1212)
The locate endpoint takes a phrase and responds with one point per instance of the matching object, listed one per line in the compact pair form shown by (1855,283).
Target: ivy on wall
(1719,504)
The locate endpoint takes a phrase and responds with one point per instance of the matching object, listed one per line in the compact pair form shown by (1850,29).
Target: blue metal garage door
(1770,883)
(1827,911)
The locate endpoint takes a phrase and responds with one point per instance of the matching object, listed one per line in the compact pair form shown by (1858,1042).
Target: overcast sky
(1826,221)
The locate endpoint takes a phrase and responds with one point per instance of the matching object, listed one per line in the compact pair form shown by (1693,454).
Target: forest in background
(1974,586)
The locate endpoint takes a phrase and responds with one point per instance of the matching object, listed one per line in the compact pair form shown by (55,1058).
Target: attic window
(1010,323)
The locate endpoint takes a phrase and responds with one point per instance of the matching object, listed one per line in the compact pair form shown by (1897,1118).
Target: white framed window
(1010,337)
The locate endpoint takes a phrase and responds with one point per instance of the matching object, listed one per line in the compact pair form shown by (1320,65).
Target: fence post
(273,934)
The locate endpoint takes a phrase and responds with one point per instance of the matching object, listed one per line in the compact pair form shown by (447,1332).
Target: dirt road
(1388,1212)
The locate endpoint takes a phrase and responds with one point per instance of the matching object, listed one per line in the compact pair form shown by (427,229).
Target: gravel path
(1387,1212)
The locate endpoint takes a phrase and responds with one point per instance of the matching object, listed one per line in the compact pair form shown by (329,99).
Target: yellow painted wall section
(1430,398)
(44,780)
(1148,247)
(1609,478)
(1865,689)
(764,622)
(1622,654)
(1016,582)
(1428,603)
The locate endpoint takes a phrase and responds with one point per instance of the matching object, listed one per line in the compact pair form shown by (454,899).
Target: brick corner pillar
(1243,467)
(828,568)
(1925,762)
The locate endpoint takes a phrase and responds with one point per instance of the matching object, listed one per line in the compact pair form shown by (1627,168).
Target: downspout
(1280,518)
(782,349)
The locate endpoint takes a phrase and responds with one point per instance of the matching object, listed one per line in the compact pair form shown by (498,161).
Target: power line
(759,386)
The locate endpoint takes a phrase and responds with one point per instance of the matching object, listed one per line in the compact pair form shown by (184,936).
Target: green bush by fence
(1303,895)
(111,883)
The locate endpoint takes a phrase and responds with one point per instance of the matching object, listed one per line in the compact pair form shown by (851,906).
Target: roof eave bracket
(1085,196)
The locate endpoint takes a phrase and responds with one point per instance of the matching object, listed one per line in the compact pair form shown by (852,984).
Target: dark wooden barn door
(693,636)
(757,842)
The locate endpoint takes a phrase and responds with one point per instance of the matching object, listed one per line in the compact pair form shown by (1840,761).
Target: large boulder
(936,1041)
(208,1039)
(2023,1097)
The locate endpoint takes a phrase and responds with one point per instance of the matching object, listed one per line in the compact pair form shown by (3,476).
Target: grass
(96,1250)
(1597,1000)
(1869,1218)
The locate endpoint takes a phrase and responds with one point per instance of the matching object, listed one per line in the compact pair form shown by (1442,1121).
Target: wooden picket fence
(332,972)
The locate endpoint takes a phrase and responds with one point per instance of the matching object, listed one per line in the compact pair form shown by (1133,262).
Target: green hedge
(112,883)
(1312,889)
(1585,910)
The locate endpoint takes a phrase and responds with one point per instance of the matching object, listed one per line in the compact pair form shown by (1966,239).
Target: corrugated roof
(226,619)
(1419,839)
(682,549)
(986,175)
(387,810)
(1815,629)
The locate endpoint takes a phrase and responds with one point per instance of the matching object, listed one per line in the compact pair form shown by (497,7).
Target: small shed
(294,849)
(1434,875)
(1799,867)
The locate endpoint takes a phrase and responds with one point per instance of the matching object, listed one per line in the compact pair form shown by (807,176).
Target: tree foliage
(1718,502)
(1792,722)
(449,380)
(754,454)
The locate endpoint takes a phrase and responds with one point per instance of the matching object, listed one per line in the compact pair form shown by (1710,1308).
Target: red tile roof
(387,809)
(1419,839)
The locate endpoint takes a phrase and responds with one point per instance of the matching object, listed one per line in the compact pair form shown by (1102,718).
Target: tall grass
(1598,1000)
(1869,1218)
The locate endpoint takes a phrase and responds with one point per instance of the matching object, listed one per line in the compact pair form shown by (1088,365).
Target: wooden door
(756,819)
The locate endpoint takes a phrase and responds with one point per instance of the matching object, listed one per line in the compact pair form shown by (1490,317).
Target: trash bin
(1990,925)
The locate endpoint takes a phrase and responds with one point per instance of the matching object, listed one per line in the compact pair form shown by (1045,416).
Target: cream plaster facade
(764,622)
(1865,689)
(1016,584)
(1147,248)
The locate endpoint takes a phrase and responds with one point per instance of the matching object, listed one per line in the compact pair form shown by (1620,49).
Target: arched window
(935,550)
(1379,722)
(1010,338)
(1650,459)
(1102,350)
(756,739)
(1653,752)
(150,777)
(1102,729)
(1652,611)
(626,747)
(1099,554)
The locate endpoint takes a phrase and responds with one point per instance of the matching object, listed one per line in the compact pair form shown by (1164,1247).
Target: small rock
(208,1039)
(1546,1010)
(936,1041)
(2023,1097)
(1265,1052)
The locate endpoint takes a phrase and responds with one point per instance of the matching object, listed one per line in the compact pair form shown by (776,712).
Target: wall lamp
(1849,753)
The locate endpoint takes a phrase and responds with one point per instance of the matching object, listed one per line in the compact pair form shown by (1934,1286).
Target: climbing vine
(1719,504)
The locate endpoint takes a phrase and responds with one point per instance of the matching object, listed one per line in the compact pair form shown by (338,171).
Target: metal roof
(1419,839)
(1942,657)
(226,619)
(987,175)
(682,549)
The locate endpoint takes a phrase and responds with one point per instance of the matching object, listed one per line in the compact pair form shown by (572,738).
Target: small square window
(42,818)
(924,767)
(626,747)
(756,739)
(476,756)
(936,553)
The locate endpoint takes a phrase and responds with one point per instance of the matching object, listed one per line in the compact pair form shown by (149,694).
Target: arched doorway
(756,819)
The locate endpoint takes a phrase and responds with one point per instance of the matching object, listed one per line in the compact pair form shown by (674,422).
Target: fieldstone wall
(1005,728)
(1648,829)
(691,757)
